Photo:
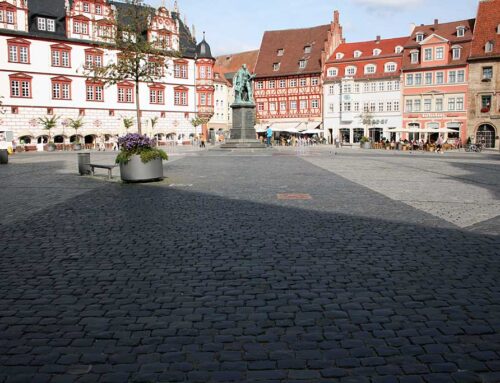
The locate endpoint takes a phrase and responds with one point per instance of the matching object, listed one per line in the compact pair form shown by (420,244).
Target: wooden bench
(108,167)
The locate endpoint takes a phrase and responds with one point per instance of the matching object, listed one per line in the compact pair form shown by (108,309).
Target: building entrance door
(486,135)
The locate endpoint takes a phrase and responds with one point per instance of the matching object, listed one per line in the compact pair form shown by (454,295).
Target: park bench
(108,167)
(342,145)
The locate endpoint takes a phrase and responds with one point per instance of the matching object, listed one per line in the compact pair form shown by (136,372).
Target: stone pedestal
(243,129)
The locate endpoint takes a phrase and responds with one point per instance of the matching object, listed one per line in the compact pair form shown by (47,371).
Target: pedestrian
(269,135)
(202,144)
(439,145)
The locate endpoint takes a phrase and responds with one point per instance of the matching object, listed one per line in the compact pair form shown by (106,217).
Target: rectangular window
(409,105)
(366,107)
(439,53)
(347,88)
(10,17)
(331,89)
(439,77)
(15,87)
(302,64)
(282,106)
(396,106)
(272,106)
(303,104)
(303,82)
(180,98)
(125,94)
(452,77)
(42,23)
(20,88)
(315,104)
(331,108)
(314,81)
(439,105)
(389,106)
(356,106)
(381,86)
(485,103)
(356,88)
(417,105)
(427,105)
(428,54)
(202,72)
(461,76)
(156,96)
(451,104)
(373,86)
(428,78)
(366,87)
(372,106)
(95,92)
(460,103)
(396,85)
(51,25)
(18,53)
(409,79)
(487,73)
(347,106)
(414,57)
(98,9)
(418,79)
(260,84)
(380,106)
(282,83)
(293,82)
(61,91)
(271,84)
(276,67)
(389,86)
(293,105)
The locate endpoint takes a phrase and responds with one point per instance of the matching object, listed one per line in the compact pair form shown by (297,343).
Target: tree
(49,124)
(76,124)
(197,121)
(138,60)
(128,122)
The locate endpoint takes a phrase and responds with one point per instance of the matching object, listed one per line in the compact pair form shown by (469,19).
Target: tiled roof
(447,31)
(292,42)
(360,69)
(386,46)
(232,62)
(487,22)
(219,76)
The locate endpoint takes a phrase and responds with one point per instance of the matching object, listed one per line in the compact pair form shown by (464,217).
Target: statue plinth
(243,129)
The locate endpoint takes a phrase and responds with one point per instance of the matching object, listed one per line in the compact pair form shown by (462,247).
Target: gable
(433,39)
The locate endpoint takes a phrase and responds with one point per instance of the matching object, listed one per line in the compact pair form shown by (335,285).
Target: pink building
(435,76)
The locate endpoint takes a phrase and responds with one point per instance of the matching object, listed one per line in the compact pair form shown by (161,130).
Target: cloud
(388,5)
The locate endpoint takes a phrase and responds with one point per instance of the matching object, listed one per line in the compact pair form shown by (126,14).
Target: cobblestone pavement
(209,277)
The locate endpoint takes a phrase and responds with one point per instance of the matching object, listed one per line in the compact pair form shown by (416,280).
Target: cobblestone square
(388,273)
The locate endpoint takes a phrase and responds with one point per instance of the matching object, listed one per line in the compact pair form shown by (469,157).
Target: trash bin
(83,163)
(4,156)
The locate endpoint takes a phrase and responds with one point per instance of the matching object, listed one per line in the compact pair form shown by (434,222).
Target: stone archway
(486,135)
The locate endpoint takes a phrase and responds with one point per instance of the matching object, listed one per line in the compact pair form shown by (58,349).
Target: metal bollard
(83,163)
(4,156)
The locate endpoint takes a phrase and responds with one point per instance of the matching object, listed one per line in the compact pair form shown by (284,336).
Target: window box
(485,110)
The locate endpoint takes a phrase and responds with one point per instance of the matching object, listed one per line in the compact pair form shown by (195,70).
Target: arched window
(357,53)
(339,56)
(391,67)
(350,71)
(398,49)
(376,52)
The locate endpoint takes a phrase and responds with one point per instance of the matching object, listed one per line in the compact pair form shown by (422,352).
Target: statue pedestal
(243,129)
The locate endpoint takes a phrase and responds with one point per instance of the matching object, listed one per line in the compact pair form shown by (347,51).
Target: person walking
(269,135)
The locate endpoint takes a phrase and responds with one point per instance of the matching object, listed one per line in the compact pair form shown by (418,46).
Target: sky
(238,25)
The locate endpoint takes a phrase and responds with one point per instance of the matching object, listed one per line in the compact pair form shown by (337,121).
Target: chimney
(378,39)
(336,17)
(436,22)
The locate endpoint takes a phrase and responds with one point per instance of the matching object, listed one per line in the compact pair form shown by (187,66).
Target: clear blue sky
(235,26)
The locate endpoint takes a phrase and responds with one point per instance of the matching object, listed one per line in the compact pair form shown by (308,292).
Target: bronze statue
(242,83)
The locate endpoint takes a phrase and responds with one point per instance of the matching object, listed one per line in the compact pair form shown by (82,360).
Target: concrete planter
(51,148)
(77,146)
(366,145)
(137,171)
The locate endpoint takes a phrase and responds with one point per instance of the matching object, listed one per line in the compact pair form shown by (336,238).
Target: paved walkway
(274,266)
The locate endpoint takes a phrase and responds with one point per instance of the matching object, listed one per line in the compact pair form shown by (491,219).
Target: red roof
(292,44)
(446,31)
(386,46)
(486,29)
(232,63)
(387,54)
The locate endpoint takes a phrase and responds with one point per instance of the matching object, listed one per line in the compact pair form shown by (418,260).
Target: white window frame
(51,25)
(350,71)
(333,72)
(391,67)
(456,53)
(488,47)
(460,31)
(377,52)
(357,54)
(439,54)
(419,37)
(302,64)
(428,54)
(369,67)
(41,23)
(414,57)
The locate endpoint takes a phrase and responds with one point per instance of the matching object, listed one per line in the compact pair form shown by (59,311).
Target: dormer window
(307,49)
(376,52)
(332,72)
(302,64)
(339,56)
(456,52)
(276,67)
(370,69)
(350,71)
(414,57)
(488,48)
(357,53)
(398,49)
(45,24)
(460,31)
(390,67)
(419,37)
(280,52)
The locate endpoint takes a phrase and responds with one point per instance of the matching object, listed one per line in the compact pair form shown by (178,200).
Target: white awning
(291,127)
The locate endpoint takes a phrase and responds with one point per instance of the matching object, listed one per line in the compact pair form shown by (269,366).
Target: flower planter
(51,148)
(77,146)
(137,171)
(366,145)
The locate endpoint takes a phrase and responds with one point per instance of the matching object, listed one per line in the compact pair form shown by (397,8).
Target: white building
(362,90)
(47,46)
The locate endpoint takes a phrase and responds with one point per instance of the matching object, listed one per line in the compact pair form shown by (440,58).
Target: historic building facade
(288,84)
(362,90)
(48,45)
(484,76)
(435,81)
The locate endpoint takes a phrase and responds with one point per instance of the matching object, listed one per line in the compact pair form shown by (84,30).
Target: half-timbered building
(288,84)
